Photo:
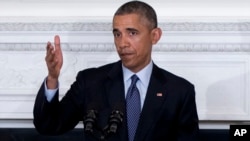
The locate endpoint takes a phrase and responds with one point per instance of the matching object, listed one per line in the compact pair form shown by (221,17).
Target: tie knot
(134,79)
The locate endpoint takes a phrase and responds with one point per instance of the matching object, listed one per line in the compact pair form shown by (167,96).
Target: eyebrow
(132,29)
(127,29)
(115,30)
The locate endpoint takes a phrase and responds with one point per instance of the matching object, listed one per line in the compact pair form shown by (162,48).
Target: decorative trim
(109,47)
(107,26)
(203,47)
(206,26)
(40,26)
(24,35)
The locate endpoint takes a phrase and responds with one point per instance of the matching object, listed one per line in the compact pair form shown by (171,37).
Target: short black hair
(141,8)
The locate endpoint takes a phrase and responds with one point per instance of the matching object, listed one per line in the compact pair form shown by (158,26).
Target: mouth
(126,55)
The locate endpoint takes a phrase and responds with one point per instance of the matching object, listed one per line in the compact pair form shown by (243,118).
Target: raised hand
(54,61)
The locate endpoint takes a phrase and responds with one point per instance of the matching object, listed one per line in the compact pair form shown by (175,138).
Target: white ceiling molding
(100,8)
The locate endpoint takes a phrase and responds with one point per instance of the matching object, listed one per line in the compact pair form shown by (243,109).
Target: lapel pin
(159,94)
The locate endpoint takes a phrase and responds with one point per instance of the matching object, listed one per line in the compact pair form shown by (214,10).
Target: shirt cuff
(49,93)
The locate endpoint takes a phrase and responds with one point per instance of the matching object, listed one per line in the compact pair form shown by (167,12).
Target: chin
(127,64)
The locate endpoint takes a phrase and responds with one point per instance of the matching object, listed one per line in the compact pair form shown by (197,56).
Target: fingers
(54,58)
(50,52)
(53,52)
(57,47)
(51,57)
(58,51)
(57,43)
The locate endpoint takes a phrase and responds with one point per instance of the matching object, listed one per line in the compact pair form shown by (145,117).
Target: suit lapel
(153,102)
(115,87)
(115,93)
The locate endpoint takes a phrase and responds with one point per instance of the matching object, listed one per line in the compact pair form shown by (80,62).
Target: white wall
(99,8)
(207,42)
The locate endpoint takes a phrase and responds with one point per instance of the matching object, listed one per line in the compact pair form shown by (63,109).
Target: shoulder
(174,79)
(177,86)
(98,72)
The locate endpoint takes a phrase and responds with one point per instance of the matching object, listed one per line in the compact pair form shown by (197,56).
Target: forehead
(128,20)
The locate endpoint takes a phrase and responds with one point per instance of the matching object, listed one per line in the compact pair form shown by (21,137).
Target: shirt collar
(143,75)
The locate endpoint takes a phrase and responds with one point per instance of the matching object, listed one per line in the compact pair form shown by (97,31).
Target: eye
(132,33)
(117,34)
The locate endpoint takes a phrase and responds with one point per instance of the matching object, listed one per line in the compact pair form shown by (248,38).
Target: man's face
(133,40)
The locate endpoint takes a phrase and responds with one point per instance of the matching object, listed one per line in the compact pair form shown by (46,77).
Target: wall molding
(186,35)
(243,26)
(109,47)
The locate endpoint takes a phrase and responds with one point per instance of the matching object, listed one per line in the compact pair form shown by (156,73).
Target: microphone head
(90,121)
(115,121)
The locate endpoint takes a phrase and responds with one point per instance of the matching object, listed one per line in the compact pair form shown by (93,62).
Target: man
(164,109)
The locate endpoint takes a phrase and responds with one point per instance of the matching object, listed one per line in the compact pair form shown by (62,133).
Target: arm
(49,93)
(188,119)
(54,117)
(49,115)
(54,61)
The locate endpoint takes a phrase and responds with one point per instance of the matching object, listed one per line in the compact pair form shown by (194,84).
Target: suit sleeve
(57,117)
(188,119)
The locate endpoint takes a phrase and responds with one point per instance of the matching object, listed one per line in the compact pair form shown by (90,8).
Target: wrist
(51,82)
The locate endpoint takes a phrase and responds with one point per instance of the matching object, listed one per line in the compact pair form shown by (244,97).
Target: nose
(123,42)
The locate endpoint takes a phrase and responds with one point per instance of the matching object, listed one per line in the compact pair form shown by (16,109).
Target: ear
(156,35)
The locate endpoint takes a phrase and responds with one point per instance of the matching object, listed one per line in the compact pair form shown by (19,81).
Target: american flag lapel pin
(159,94)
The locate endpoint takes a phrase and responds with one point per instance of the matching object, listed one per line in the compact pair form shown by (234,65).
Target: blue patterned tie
(133,107)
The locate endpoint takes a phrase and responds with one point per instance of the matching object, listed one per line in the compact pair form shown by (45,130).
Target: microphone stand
(110,129)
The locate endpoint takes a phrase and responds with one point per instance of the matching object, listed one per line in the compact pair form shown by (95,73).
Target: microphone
(91,127)
(90,121)
(115,120)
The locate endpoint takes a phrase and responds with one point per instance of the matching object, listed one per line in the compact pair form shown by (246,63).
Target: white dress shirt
(143,82)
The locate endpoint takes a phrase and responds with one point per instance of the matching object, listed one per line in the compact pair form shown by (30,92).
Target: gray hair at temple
(140,8)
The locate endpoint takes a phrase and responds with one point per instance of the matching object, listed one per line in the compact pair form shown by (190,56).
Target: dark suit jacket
(171,116)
